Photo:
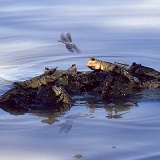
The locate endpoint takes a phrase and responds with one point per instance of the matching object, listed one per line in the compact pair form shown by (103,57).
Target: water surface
(109,30)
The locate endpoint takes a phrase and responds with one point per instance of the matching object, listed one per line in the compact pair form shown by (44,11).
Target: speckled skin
(72,69)
(154,83)
(38,81)
(113,82)
(98,65)
(148,77)
(140,70)
(62,95)
(8,95)
(138,75)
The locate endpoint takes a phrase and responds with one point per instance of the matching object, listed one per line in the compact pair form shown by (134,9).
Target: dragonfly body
(67,40)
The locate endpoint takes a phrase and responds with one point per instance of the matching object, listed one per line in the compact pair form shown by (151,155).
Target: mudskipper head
(94,64)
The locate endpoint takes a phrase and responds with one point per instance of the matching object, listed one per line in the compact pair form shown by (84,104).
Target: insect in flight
(67,40)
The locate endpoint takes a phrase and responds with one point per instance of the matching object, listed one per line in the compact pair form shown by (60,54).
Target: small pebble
(78,156)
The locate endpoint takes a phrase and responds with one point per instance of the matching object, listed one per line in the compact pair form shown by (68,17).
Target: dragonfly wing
(63,38)
(68,35)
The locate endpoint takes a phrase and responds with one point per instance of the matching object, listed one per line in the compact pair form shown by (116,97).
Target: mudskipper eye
(92,58)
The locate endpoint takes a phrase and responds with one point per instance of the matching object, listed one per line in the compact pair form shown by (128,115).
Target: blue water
(112,31)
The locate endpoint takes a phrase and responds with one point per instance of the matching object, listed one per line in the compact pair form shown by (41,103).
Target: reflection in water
(125,31)
(66,126)
(114,109)
(50,115)
(118,110)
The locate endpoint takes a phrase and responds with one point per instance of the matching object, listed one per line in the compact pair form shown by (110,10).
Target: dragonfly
(67,40)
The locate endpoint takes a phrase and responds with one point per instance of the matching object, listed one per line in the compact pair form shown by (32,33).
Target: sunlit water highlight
(109,30)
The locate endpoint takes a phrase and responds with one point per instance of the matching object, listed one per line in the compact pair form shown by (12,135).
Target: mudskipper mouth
(90,67)
(87,64)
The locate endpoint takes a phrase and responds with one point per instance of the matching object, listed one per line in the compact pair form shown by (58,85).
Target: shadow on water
(112,108)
